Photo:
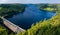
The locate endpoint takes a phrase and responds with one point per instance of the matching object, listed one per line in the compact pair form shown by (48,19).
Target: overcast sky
(29,1)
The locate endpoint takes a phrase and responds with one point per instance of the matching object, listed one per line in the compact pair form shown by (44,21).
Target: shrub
(47,27)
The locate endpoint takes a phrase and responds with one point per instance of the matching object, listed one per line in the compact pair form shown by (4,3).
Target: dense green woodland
(5,31)
(10,9)
(48,7)
(46,27)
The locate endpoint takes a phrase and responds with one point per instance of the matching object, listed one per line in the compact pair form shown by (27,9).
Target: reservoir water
(31,15)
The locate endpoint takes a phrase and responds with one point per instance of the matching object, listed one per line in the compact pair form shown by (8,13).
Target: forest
(46,27)
(8,10)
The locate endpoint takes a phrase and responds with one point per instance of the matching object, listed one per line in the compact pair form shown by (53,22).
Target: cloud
(3,1)
(29,1)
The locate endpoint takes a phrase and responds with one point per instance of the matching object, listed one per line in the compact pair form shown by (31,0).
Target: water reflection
(31,15)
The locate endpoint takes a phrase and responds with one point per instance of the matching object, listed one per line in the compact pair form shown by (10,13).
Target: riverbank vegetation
(5,31)
(48,7)
(46,27)
(10,9)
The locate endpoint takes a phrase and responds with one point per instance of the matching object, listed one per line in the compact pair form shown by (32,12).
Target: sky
(30,1)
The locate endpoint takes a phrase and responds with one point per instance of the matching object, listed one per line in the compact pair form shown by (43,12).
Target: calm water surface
(32,14)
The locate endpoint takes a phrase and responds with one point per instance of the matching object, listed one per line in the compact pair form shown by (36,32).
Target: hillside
(47,27)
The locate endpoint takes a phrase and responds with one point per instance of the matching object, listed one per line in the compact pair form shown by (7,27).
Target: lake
(31,15)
